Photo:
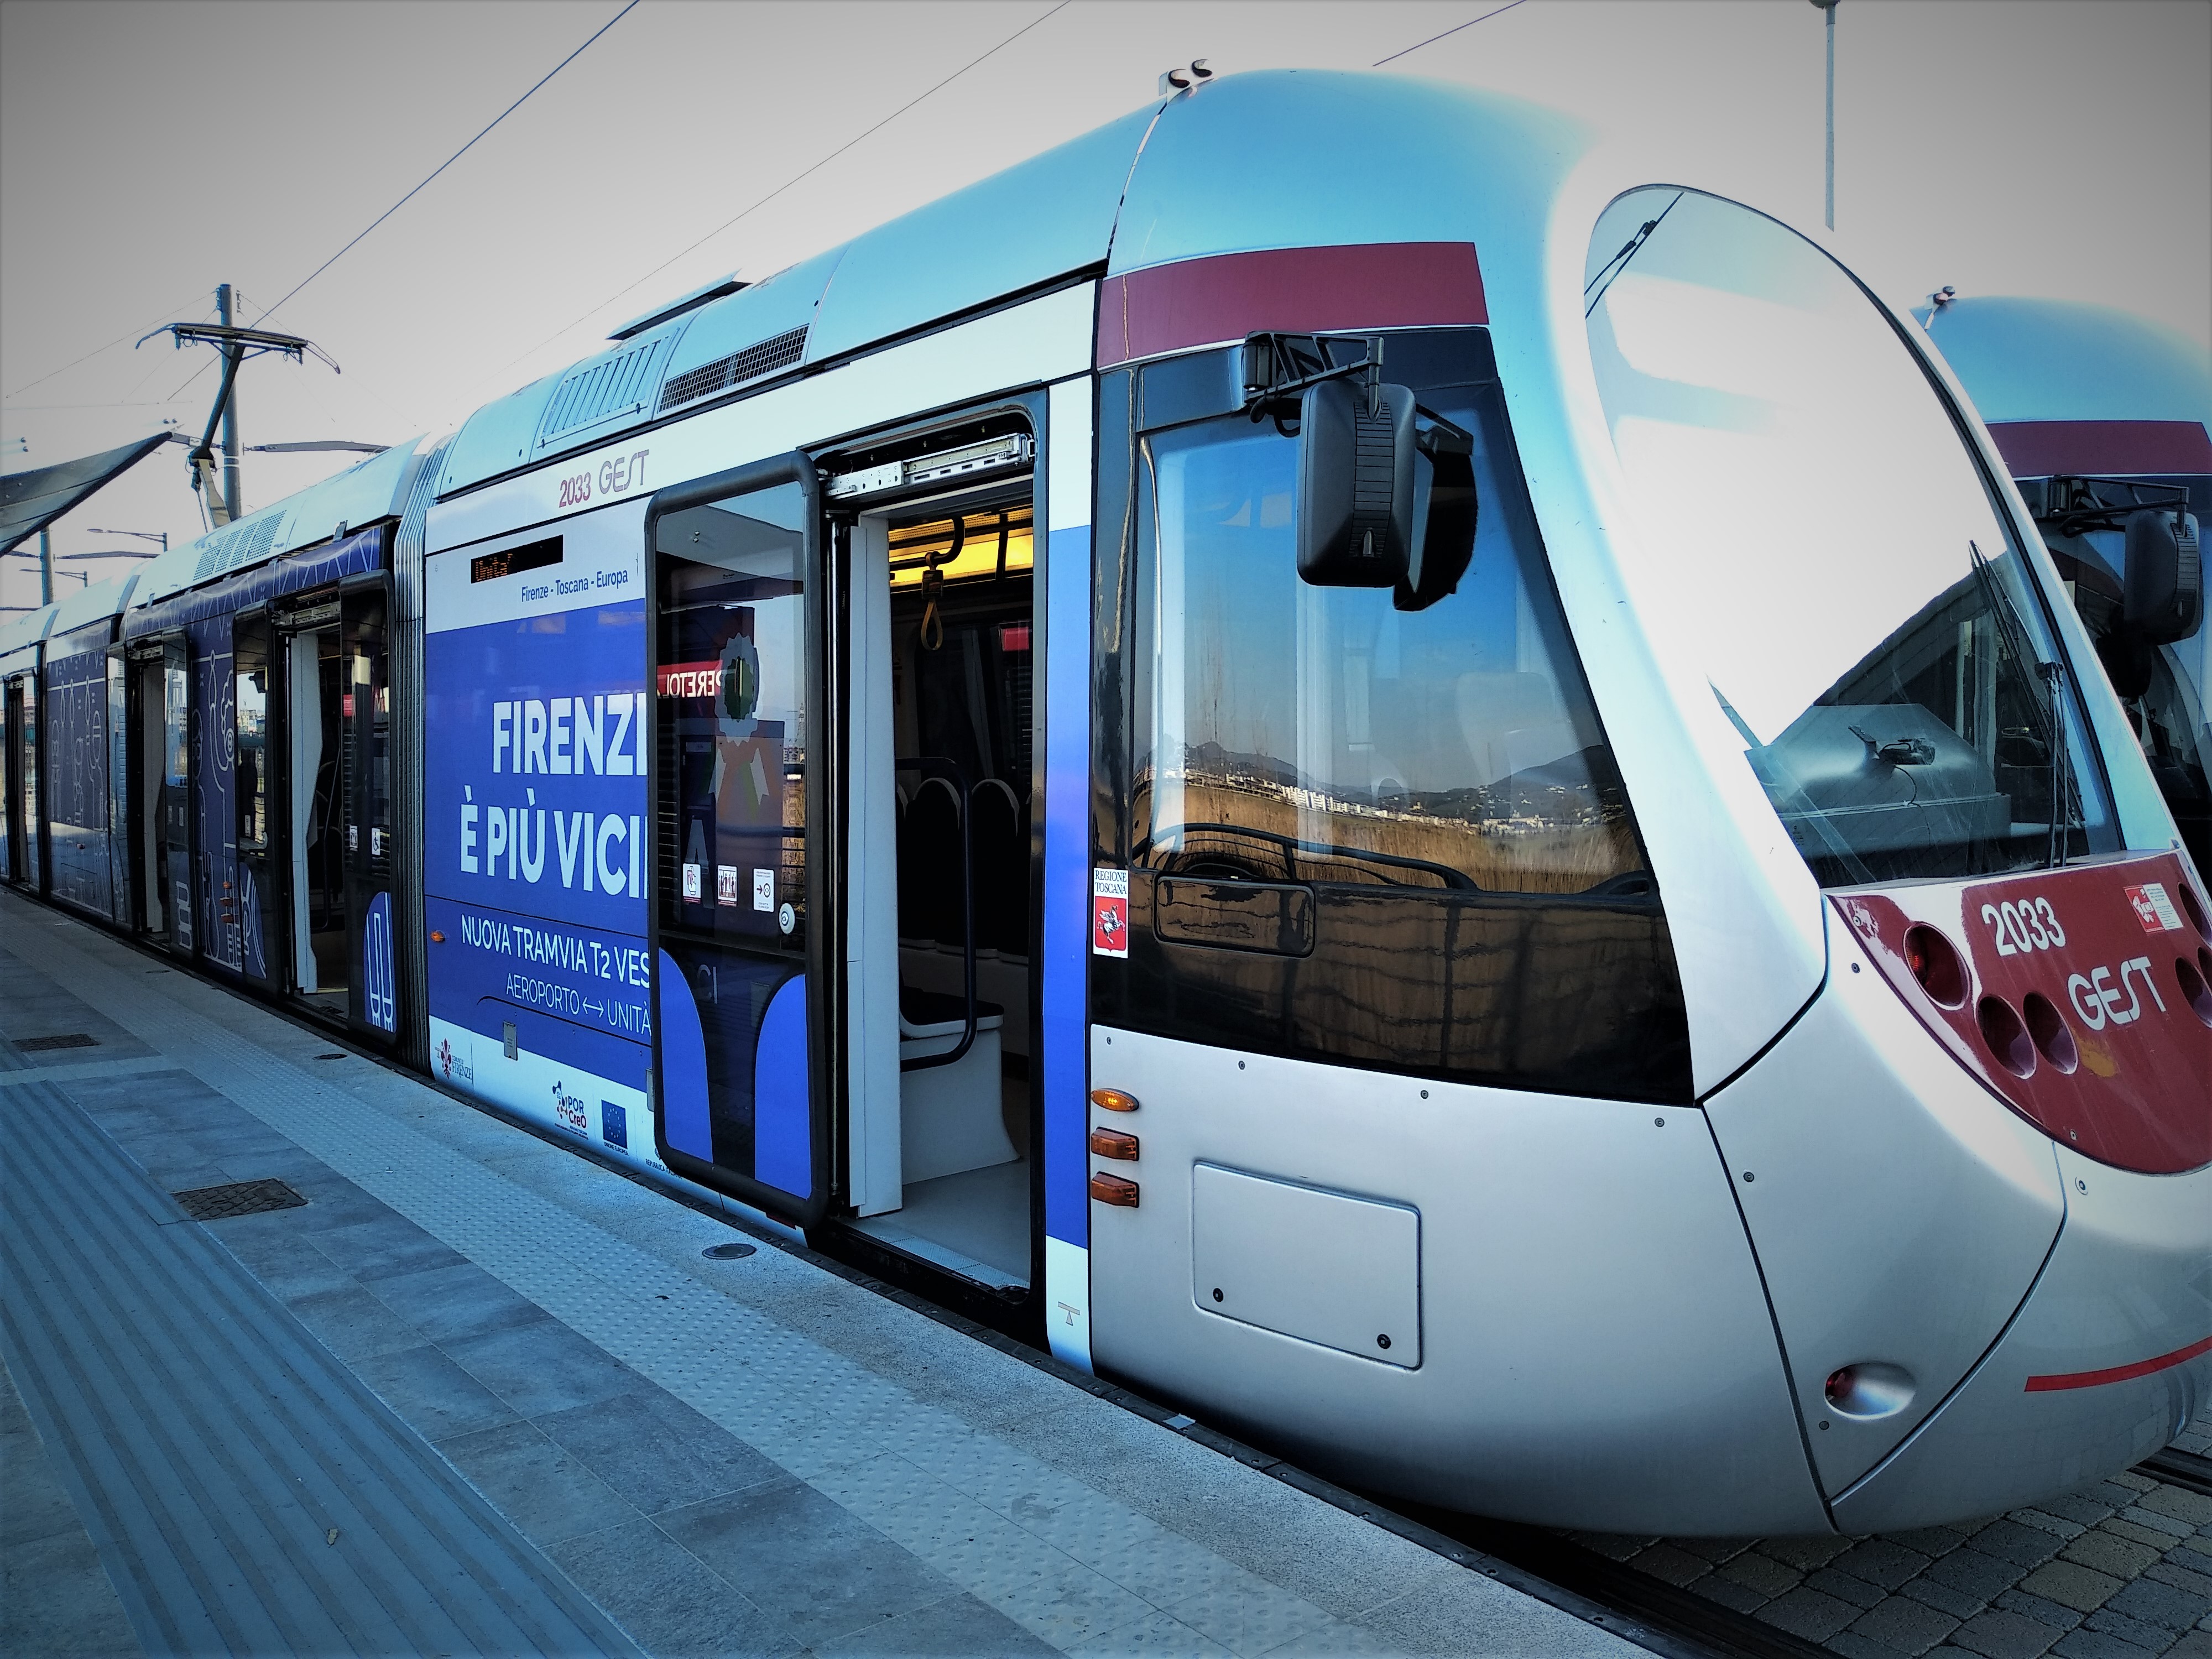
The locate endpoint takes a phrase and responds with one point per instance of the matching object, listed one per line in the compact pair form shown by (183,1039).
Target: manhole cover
(727,1252)
(67,1040)
(238,1198)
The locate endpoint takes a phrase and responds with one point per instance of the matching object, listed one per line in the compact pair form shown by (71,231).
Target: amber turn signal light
(437,937)
(1112,1100)
(1112,1143)
(1112,1189)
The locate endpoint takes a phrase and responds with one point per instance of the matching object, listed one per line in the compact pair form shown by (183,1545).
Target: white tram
(1339,750)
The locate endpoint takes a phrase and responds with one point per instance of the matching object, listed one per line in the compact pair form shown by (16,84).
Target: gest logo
(2096,998)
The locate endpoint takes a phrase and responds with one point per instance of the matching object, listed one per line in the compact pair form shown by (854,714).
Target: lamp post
(1829,7)
(160,536)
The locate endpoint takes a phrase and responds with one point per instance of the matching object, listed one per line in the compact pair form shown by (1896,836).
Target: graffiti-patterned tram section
(218,749)
(1392,782)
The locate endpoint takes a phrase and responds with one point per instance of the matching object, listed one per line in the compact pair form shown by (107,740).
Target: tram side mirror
(1444,530)
(1355,504)
(2162,593)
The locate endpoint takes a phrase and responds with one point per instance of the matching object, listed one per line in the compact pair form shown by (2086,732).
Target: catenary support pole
(233,490)
(46,568)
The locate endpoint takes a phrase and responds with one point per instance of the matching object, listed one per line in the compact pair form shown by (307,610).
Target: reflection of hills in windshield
(1546,829)
(1556,793)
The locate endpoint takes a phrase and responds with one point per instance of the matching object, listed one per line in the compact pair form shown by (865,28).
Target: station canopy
(31,501)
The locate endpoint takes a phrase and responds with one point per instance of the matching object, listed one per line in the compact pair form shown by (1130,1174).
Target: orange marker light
(1112,1143)
(1112,1100)
(437,937)
(1112,1189)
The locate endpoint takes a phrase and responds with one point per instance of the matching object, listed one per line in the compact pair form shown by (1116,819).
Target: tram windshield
(1335,735)
(1831,553)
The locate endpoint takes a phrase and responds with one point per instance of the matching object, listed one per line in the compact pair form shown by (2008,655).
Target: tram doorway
(842,873)
(16,739)
(148,766)
(939,753)
(314,680)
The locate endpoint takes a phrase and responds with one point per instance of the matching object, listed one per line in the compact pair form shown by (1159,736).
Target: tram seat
(949,1115)
(929,865)
(1002,870)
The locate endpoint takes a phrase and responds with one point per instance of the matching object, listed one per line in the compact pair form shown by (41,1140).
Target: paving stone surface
(2121,1569)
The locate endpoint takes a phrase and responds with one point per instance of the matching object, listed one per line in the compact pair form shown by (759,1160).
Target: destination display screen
(532,555)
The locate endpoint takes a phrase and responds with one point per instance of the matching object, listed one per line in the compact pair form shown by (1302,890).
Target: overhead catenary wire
(787,183)
(128,334)
(1454,29)
(626,10)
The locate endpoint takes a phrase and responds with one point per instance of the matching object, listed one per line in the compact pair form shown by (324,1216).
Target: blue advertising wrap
(77,755)
(535,814)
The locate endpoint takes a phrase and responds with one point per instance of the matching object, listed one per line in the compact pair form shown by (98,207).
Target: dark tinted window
(1291,733)
(1381,836)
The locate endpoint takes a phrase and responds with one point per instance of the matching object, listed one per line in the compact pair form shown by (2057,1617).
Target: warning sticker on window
(1109,913)
(2154,909)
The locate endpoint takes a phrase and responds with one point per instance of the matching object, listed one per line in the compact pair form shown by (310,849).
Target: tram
(1334,749)
(2102,417)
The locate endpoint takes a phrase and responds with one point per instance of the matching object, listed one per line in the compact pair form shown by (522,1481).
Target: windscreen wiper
(2072,505)
(1612,267)
(2054,737)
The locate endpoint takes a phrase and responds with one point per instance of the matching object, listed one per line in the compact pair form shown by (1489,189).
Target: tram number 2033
(2025,927)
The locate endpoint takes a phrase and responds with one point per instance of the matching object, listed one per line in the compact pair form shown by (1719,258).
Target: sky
(150,151)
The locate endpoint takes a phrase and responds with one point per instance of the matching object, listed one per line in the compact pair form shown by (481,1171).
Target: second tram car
(2103,419)
(1324,748)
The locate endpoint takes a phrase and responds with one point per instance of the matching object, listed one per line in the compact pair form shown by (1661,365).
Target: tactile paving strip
(247,1491)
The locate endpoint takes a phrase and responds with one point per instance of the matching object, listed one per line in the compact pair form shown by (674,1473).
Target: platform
(477,1394)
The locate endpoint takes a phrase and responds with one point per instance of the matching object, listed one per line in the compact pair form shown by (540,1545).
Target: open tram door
(18,851)
(935,546)
(739,899)
(253,708)
(158,746)
(369,848)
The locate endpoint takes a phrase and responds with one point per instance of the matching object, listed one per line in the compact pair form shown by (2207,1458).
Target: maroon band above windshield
(1304,290)
(2035,449)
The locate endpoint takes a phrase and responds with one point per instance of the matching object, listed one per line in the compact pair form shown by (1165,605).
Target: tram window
(1841,568)
(1288,732)
(733,721)
(1389,838)
(251,668)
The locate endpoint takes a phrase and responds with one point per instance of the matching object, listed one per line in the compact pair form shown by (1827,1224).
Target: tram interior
(153,880)
(319,907)
(961,624)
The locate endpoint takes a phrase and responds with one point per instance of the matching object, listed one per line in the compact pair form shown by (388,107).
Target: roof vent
(248,543)
(606,389)
(708,380)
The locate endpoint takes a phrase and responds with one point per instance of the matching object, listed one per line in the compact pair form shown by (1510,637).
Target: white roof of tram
(1244,163)
(2026,359)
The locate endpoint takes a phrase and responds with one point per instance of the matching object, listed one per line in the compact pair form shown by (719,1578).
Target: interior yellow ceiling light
(990,544)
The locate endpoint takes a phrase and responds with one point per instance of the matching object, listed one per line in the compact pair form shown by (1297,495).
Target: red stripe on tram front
(2119,1373)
